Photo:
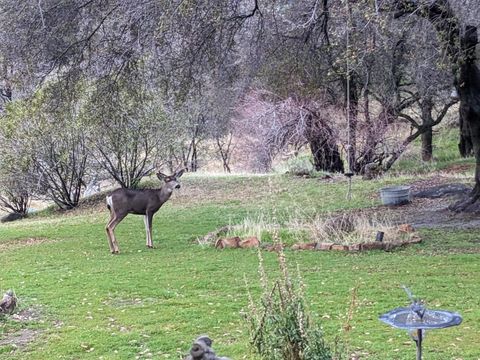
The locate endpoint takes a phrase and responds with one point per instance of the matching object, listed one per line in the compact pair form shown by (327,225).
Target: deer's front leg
(148,229)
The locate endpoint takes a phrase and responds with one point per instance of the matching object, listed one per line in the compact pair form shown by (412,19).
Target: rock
(233,242)
(392,245)
(324,246)
(338,247)
(272,247)
(8,303)
(354,247)
(415,239)
(212,236)
(202,350)
(372,246)
(304,246)
(251,242)
(371,171)
(405,228)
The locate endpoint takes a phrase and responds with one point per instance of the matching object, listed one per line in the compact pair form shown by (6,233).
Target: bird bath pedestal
(416,319)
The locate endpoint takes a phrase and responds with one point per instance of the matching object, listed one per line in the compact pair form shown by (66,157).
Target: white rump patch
(109,201)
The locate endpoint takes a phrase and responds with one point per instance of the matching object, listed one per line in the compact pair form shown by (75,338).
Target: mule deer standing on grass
(122,202)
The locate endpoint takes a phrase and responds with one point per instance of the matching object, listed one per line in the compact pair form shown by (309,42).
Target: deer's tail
(109,202)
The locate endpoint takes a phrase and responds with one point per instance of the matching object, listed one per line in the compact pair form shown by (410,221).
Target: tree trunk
(468,88)
(371,136)
(465,146)
(352,109)
(325,152)
(325,157)
(194,158)
(427,149)
(224,149)
(427,136)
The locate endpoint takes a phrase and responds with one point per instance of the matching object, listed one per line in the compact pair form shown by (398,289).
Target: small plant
(280,327)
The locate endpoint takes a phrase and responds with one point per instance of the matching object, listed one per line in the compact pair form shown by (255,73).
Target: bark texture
(460,48)
(320,137)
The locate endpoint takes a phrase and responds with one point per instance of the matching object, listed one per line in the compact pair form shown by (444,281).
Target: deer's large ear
(179,173)
(161,176)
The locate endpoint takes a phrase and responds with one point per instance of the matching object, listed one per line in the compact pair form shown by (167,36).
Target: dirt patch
(459,168)
(18,243)
(434,214)
(439,191)
(20,338)
(27,315)
(431,213)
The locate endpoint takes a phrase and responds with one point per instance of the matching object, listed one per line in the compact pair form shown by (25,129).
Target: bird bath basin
(402,318)
(417,318)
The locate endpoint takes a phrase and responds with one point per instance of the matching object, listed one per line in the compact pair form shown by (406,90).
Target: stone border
(253,242)
(375,245)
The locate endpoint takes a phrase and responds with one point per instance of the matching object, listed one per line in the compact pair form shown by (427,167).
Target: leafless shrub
(273,125)
(15,197)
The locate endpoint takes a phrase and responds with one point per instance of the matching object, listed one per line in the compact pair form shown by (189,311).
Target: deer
(146,202)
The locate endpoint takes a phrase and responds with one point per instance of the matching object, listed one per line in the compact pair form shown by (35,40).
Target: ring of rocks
(237,242)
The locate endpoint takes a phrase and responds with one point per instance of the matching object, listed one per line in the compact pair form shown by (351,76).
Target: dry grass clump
(256,227)
(348,229)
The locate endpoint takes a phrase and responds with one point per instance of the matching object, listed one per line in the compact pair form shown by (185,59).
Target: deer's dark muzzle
(177,187)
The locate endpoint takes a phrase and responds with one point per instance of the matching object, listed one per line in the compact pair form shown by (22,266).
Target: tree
(295,122)
(127,128)
(460,49)
(225,148)
(16,184)
(348,54)
(49,135)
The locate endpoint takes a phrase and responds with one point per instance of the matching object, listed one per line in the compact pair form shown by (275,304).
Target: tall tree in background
(292,49)
(127,127)
(460,48)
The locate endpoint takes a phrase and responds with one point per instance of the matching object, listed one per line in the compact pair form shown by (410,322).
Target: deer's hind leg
(112,241)
(109,236)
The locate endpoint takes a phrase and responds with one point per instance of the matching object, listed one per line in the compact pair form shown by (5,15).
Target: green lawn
(445,154)
(146,303)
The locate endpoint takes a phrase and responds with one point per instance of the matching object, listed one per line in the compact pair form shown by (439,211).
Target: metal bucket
(395,195)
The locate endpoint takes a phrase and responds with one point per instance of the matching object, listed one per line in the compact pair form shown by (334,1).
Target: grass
(152,303)
(445,155)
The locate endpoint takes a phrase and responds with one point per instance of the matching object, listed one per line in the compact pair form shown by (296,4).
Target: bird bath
(417,318)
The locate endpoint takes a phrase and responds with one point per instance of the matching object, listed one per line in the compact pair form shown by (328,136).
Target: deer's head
(171,182)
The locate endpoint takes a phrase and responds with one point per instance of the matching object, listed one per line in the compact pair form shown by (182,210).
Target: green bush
(280,327)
